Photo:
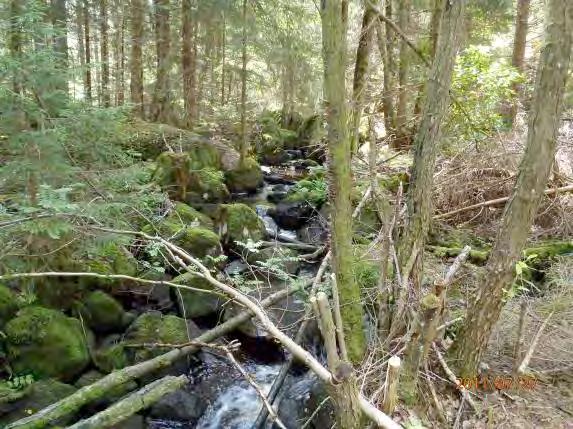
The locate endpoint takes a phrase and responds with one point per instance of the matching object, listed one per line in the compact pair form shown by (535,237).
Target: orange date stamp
(499,382)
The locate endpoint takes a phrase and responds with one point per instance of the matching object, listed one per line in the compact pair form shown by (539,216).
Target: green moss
(247,177)
(208,185)
(392,182)
(366,272)
(111,358)
(103,313)
(550,249)
(46,343)
(478,257)
(239,223)
(196,304)
(189,216)
(8,305)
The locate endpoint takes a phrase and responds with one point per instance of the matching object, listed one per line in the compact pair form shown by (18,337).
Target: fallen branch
(297,245)
(568,188)
(391,385)
(523,366)
(88,394)
(464,392)
(131,404)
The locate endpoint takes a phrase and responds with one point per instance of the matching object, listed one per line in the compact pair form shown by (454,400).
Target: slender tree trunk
(136,66)
(188,60)
(361,71)
(339,151)
(419,201)
(97,69)
(386,47)
(404,10)
(435,23)
(161,96)
(59,17)
(81,46)
(224,48)
(88,71)
(104,51)
(15,41)
(533,174)
(244,147)
(518,57)
(118,49)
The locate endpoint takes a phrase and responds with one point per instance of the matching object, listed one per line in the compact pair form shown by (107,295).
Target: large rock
(196,240)
(8,305)
(103,313)
(34,398)
(239,222)
(274,260)
(179,405)
(291,215)
(191,179)
(151,327)
(247,177)
(193,304)
(46,343)
(187,215)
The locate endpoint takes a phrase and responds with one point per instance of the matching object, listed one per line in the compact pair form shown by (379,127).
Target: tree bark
(404,10)
(361,71)
(104,51)
(59,17)
(15,42)
(419,202)
(533,174)
(161,111)
(188,62)
(243,147)
(136,65)
(339,152)
(386,46)
(435,23)
(131,404)
(518,57)
(87,45)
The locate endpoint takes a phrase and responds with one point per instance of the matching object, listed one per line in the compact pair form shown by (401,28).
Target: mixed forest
(294,214)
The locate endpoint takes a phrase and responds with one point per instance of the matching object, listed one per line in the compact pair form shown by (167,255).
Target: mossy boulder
(247,177)
(8,305)
(46,343)
(193,304)
(239,222)
(187,215)
(189,178)
(110,397)
(150,327)
(103,313)
(35,397)
(279,257)
(198,241)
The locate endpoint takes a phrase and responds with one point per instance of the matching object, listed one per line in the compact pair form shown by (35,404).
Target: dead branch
(137,401)
(519,339)
(523,366)
(391,385)
(464,392)
(497,201)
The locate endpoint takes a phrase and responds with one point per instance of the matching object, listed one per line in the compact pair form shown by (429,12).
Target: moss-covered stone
(46,343)
(103,313)
(188,216)
(247,177)
(114,395)
(282,258)
(238,222)
(193,304)
(478,257)
(8,305)
(151,327)
(190,178)
(200,242)
(36,397)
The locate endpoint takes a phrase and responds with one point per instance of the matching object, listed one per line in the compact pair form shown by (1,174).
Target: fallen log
(131,404)
(568,188)
(100,388)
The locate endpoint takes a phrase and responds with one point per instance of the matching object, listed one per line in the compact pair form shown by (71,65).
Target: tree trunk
(161,96)
(334,52)
(88,71)
(533,174)
(402,137)
(435,23)
(361,71)
(518,57)
(15,42)
(136,66)
(223,49)
(60,22)
(104,51)
(386,47)
(419,200)
(81,46)
(244,148)
(188,60)
(118,52)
